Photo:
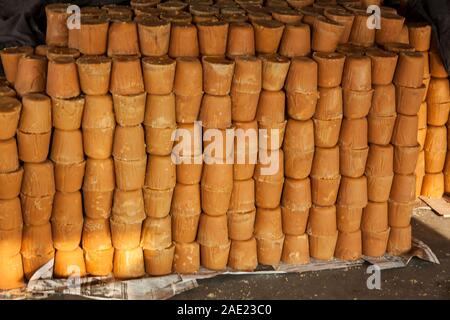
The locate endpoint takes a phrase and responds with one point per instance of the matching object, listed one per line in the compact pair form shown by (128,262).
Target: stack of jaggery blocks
(129,158)
(434,163)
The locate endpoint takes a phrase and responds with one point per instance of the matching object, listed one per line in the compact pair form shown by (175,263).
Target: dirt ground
(419,280)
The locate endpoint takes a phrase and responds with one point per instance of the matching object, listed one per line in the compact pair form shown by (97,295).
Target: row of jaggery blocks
(11,221)
(88,115)
(318,39)
(152,36)
(358,98)
(411,70)
(298,149)
(381,166)
(124,34)
(435,145)
(67,153)
(353,150)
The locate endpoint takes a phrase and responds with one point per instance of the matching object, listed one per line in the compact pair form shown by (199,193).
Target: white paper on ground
(42,285)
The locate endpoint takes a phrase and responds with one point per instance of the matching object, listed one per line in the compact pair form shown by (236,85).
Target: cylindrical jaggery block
(187,258)
(409,72)
(96,234)
(129,143)
(383,66)
(243,255)
(154,37)
(435,149)
(126,75)
(160,174)
(62,68)
(326,34)
(12,270)
(347,191)
(31,74)
(67,114)
(437,68)
(215,112)
(408,99)
(129,110)
(342,17)
(374,243)
(9,161)
(10,60)
(326,132)
(352,161)
(159,262)
(295,249)
(322,221)
(93,35)
(268,35)
(295,41)
(212,38)
(405,131)
(38,179)
(403,188)
(438,91)
(399,240)
(302,75)
(391,25)
(10,109)
(360,33)
(433,185)
(353,133)
(322,247)
(274,71)
(99,262)
(383,101)
(37,240)
(57,30)
(67,220)
(183,40)
(159,74)
(98,126)
(129,264)
(349,245)
(329,106)
(269,250)
(216,187)
(419,36)
(36,114)
(188,77)
(156,233)
(67,147)
(330,68)
(356,104)
(357,73)
(122,38)
(94,73)
(241,39)
(375,217)
(405,159)
(217,75)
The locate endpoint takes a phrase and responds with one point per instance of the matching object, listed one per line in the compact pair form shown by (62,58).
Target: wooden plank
(421,205)
(439,206)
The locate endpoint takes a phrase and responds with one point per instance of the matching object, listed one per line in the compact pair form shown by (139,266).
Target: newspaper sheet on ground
(42,285)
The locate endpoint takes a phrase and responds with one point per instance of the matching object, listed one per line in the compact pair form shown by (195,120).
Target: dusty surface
(420,280)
